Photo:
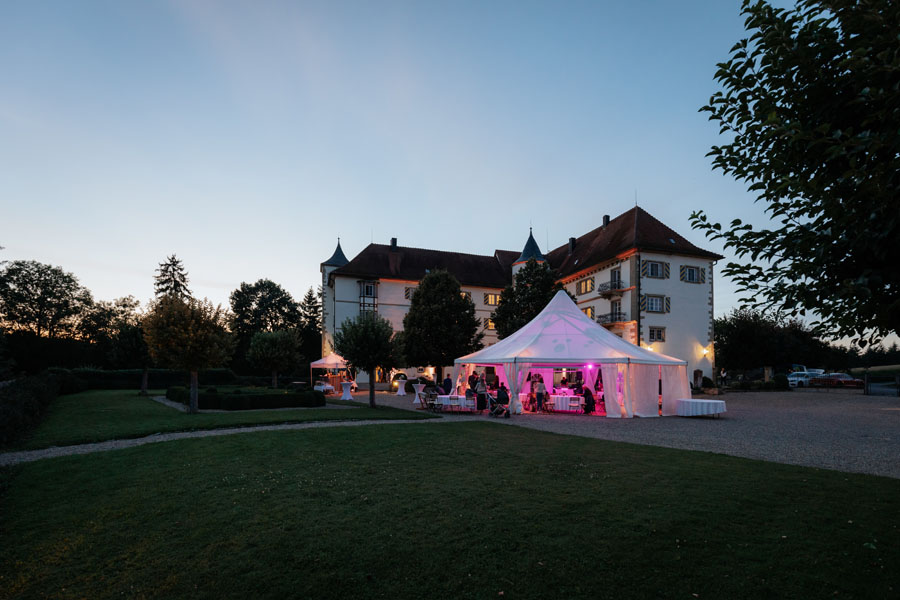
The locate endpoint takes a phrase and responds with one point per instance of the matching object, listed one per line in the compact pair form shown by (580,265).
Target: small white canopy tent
(563,336)
(332,361)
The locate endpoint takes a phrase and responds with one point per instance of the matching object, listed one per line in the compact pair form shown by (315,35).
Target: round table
(346,385)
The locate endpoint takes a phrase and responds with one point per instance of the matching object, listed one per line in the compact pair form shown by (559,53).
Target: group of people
(496,404)
(538,394)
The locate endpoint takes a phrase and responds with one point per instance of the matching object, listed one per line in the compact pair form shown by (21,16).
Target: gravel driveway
(838,430)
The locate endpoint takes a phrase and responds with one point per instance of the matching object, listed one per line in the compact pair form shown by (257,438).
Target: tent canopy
(332,361)
(563,335)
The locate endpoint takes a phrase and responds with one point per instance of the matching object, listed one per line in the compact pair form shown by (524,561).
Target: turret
(328,326)
(530,251)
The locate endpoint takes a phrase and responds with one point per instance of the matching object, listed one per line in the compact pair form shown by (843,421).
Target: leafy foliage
(365,343)
(275,351)
(188,335)
(40,298)
(441,324)
(534,287)
(810,103)
(262,306)
(171,279)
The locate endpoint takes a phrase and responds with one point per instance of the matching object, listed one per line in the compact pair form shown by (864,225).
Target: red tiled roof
(634,229)
(379,261)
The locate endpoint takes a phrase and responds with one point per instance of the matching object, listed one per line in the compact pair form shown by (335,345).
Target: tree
(40,298)
(128,350)
(262,306)
(187,334)
(365,343)
(810,105)
(171,279)
(100,321)
(441,324)
(275,351)
(311,325)
(534,287)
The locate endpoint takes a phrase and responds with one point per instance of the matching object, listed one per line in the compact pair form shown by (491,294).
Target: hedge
(78,380)
(23,403)
(208,400)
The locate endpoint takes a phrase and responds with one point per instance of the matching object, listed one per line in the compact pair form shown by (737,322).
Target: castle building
(633,275)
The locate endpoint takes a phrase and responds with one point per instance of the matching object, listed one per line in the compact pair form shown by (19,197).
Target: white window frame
(661,271)
(660,299)
(692,271)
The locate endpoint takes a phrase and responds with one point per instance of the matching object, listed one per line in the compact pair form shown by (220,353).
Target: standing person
(481,393)
(448,384)
(723,377)
(540,391)
(473,380)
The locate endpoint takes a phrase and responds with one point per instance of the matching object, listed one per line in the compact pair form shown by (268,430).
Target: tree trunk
(145,379)
(194,393)
(274,379)
(372,389)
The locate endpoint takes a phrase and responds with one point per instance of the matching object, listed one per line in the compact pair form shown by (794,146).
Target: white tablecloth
(418,387)
(565,402)
(346,385)
(324,387)
(693,408)
(455,402)
(401,387)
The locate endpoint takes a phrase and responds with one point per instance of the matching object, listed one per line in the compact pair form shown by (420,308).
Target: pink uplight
(590,366)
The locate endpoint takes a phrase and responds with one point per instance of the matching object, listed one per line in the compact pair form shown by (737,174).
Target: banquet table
(346,385)
(454,401)
(324,387)
(565,402)
(691,407)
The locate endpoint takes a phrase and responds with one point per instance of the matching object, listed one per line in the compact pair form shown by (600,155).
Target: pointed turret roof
(531,250)
(337,259)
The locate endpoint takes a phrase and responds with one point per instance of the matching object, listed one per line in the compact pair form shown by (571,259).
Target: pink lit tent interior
(563,336)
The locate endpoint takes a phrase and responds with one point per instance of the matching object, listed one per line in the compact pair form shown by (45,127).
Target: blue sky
(246,137)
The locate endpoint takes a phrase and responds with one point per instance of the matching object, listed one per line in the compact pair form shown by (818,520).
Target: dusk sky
(247,136)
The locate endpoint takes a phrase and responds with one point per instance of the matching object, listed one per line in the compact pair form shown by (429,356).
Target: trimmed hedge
(23,403)
(79,380)
(238,400)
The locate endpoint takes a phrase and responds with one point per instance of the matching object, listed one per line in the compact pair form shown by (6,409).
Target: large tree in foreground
(811,107)
(365,343)
(535,286)
(275,351)
(40,298)
(441,324)
(188,335)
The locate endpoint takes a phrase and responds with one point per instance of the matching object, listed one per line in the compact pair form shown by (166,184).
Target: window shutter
(682,275)
(643,303)
(645,268)
(665,270)
(668,304)
(702,275)
(485,298)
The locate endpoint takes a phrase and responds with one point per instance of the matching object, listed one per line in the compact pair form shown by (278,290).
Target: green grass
(453,510)
(97,416)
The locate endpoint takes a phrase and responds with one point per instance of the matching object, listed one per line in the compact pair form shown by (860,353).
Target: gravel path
(839,430)
(13,458)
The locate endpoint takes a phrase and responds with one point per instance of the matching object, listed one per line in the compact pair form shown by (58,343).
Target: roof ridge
(444,251)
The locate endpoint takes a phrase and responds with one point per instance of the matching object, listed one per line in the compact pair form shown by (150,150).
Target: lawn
(449,510)
(97,416)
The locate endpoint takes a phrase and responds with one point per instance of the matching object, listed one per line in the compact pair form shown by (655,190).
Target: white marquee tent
(563,336)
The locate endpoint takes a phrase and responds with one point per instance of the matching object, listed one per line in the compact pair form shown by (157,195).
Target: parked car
(837,380)
(799,379)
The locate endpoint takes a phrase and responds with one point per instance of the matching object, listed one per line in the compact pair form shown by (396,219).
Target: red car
(837,380)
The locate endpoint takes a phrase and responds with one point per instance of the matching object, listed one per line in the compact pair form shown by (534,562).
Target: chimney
(393,244)
(605,221)
(571,245)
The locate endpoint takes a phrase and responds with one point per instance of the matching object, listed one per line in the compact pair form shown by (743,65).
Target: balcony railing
(613,317)
(610,287)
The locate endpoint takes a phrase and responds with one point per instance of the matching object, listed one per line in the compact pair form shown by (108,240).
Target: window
(408,293)
(655,304)
(368,293)
(654,269)
(492,299)
(589,311)
(693,274)
(657,334)
(615,279)
(489,323)
(466,295)
(584,286)
(367,289)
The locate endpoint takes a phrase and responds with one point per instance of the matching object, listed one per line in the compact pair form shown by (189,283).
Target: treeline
(750,339)
(48,319)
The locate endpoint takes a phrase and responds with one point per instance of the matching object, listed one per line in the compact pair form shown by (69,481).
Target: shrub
(78,380)
(781,382)
(768,386)
(242,400)
(211,390)
(23,403)
(707,383)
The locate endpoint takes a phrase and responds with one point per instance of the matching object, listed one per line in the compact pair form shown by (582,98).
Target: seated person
(500,404)
(589,404)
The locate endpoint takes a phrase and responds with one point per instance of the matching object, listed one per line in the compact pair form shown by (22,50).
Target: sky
(246,137)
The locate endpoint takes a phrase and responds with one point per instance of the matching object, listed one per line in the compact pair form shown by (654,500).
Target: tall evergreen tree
(171,279)
(310,331)
(535,286)
(441,324)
